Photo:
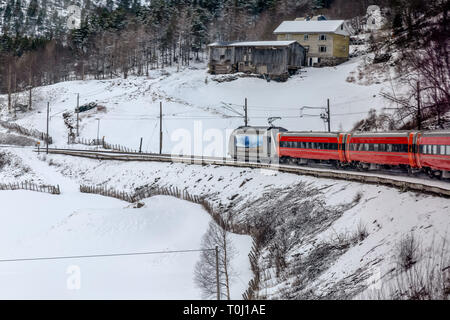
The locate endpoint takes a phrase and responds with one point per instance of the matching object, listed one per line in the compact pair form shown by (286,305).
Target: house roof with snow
(323,26)
(252,44)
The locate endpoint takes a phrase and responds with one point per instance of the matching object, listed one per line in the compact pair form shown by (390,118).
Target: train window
(381,147)
(422,149)
(371,147)
(442,150)
(448,150)
(389,147)
(435,149)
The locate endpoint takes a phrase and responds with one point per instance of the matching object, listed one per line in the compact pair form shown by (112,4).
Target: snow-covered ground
(305,212)
(41,225)
(201,110)
(304,215)
(37,225)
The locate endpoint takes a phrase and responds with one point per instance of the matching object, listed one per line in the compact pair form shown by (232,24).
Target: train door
(348,137)
(417,151)
(269,143)
(341,147)
(411,149)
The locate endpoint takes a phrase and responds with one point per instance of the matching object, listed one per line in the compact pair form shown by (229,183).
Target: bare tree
(205,269)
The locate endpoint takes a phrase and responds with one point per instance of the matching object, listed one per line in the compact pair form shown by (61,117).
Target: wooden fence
(147,192)
(30,187)
(107,192)
(103,144)
(27,132)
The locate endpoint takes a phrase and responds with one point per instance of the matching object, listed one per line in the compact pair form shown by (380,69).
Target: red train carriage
(386,148)
(433,152)
(298,147)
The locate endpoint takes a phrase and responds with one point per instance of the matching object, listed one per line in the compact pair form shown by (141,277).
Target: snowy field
(199,114)
(387,213)
(200,110)
(41,225)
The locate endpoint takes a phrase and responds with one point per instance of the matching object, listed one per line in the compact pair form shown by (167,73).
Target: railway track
(400,182)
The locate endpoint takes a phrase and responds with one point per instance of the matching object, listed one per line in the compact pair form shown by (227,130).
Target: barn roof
(252,44)
(326,26)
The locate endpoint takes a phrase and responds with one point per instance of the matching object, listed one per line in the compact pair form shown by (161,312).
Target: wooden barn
(275,59)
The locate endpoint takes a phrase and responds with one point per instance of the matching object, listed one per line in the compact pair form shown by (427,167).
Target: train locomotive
(412,151)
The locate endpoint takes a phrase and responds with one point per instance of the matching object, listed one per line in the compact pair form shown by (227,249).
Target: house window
(222,57)
(342,27)
(306,37)
(323,37)
(322,49)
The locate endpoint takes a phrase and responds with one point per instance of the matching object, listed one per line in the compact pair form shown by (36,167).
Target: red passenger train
(415,151)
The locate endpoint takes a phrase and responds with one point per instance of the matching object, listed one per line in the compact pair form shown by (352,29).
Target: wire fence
(27,132)
(31,187)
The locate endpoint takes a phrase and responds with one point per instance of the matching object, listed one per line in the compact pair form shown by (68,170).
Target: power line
(104,255)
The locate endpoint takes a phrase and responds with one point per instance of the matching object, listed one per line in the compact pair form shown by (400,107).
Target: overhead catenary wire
(104,255)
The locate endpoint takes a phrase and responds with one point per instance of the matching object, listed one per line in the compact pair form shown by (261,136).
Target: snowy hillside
(315,238)
(79,224)
(193,102)
(324,238)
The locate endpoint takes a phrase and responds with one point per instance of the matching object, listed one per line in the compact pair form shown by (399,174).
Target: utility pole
(160,128)
(48,118)
(328,115)
(140,146)
(78,115)
(245,110)
(98,132)
(29,97)
(419,115)
(9,87)
(217,273)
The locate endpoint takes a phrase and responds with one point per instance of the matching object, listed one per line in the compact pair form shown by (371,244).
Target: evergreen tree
(8,11)
(33,9)
(18,17)
(124,4)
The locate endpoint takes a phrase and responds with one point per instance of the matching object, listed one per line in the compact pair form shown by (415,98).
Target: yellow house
(327,41)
